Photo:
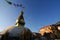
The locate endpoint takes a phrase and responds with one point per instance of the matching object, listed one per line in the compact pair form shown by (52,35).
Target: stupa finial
(20,20)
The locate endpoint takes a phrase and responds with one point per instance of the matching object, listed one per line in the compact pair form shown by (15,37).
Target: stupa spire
(20,20)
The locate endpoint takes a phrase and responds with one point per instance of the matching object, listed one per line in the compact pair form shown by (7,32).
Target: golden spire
(20,20)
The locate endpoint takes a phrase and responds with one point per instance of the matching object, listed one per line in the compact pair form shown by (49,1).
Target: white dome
(15,31)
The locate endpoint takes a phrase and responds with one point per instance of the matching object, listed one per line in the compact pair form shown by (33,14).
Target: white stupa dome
(15,31)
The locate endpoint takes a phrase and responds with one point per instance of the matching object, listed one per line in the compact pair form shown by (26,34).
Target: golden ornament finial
(20,20)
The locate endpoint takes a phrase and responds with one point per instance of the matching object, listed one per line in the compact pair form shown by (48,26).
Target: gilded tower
(20,21)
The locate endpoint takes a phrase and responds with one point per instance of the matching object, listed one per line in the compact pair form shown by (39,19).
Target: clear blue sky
(38,13)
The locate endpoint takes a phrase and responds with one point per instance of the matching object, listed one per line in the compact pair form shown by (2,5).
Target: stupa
(17,32)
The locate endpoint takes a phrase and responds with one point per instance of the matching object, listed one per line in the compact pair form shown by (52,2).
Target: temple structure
(18,31)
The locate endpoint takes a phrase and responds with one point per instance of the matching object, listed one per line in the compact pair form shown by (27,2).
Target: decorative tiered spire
(20,20)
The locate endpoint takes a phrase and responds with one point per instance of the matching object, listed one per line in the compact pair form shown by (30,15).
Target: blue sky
(37,13)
